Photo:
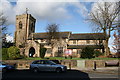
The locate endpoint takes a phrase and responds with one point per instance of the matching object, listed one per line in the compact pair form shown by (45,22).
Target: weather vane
(26,10)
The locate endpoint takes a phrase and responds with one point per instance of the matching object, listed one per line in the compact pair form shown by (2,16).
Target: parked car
(56,61)
(5,67)
(47,65)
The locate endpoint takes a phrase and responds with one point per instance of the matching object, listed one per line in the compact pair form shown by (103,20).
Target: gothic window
(32,24)
(20,25)
(88,41)
(49,50)
(74,41)
(42,40)
(32,27)
(60,49)
(100,42)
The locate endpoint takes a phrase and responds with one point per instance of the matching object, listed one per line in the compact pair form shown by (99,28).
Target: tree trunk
(107,51)
(53,54)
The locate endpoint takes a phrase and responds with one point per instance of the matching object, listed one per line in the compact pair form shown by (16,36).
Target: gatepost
(94,65)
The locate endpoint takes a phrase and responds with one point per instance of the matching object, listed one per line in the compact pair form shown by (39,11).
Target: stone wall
(19,63)
(69,63)
(80,64)
(26,63)
(99,63)
(91,63)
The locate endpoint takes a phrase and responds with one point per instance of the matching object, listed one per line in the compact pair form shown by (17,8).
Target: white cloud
(9,38)
(50,11)
(110,44)
(99,0)
(82,9)
(65,0)
(45,0)
(7,9)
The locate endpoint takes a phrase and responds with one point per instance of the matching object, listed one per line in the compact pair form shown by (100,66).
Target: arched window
(20,25)
(32,27)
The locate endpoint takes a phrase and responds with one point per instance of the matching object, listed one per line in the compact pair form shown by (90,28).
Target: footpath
(106,70)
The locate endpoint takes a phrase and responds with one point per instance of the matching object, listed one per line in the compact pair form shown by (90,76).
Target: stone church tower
(25,26)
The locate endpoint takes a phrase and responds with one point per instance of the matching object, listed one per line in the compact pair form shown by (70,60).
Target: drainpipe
(26,27)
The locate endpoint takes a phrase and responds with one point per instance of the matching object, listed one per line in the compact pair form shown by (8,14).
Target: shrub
(5,55)
(42,52)
(87,52)
(13,52)
(97,53)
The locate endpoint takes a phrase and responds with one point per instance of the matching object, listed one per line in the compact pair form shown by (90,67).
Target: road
(70,74)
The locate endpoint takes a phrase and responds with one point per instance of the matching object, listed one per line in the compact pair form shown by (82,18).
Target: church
(30,42)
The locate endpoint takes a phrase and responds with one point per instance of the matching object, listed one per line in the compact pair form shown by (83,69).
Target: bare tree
(3,21)
(3,28)
(116,42)
(3,31)
(104,17)
(53,36)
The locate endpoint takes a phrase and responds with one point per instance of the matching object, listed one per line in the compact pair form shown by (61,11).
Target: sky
(70,15)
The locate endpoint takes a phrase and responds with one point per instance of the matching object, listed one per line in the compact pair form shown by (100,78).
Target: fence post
(70,65)
(94,66)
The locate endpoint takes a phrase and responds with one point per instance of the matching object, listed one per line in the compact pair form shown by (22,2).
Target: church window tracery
(20,25)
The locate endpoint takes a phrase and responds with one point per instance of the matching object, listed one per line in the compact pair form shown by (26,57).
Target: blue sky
(70,16)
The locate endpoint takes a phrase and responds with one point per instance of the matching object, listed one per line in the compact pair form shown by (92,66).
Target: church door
(31,52)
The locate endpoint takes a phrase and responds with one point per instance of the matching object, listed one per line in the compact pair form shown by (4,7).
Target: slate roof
(45,36)
(70,36)
(88,36)
(40,35)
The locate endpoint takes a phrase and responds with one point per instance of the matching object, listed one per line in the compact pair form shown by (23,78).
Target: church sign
(68,52)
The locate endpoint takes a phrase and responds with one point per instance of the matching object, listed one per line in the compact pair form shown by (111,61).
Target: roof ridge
(46,32)
(87,33)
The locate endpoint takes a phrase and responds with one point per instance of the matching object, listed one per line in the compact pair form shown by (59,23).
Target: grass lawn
(53,58)
(62,58)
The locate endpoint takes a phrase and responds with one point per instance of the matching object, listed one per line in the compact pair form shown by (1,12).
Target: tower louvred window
(20,25)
